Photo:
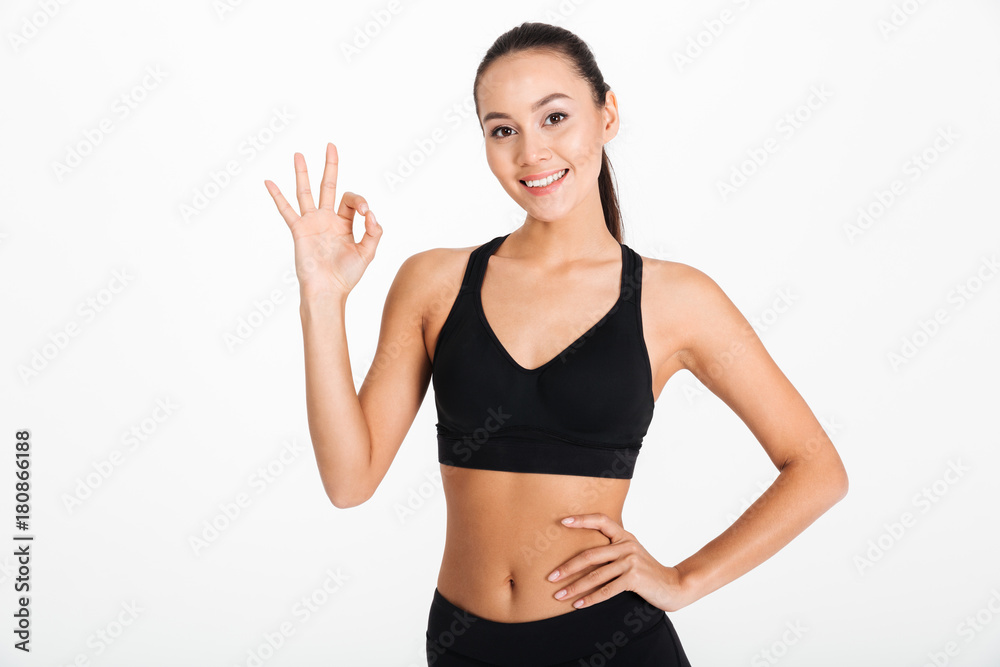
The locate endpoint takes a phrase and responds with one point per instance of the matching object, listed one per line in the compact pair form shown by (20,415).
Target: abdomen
(504,538)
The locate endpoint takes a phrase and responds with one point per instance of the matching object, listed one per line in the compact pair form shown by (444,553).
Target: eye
(501,128)
(497,129)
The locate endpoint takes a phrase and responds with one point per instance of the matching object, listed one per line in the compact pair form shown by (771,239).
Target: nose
(534,148)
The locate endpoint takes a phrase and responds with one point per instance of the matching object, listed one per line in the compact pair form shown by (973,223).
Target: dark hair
(560,41)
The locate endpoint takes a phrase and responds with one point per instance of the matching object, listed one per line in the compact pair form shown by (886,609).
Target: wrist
(320,300)
(689,586)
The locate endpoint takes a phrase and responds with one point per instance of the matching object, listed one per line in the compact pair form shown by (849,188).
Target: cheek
(588,160)
(492,164)
(498,165)
(592,150)
(585,149)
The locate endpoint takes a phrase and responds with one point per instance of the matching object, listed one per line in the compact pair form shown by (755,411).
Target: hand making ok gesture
(327,260)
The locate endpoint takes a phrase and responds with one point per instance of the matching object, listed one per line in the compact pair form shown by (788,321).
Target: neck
(581,234)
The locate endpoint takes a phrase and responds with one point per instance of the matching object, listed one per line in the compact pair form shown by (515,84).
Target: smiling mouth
(548,180)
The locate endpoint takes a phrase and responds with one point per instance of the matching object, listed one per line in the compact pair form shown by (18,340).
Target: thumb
(373,232)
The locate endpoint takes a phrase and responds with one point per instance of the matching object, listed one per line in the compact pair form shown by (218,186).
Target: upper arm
(397,380)
(724,352)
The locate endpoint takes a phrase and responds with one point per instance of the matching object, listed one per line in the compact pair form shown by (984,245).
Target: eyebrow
(534,107)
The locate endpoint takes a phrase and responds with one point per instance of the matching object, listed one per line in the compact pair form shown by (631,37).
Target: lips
(546,185)
(540,176)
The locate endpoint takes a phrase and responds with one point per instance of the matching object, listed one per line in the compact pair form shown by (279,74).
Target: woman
(545,370)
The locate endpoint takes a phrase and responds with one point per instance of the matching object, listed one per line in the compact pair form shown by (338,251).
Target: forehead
(514,82)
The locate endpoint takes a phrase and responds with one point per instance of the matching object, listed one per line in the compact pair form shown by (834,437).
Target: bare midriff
(505,536)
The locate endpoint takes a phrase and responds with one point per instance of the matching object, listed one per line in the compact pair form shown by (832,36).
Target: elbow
(837,483)
(843,485)
(345,501)
(829,481)
(347,498)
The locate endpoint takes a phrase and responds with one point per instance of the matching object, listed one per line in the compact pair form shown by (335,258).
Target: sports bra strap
(475,268)
(632,275)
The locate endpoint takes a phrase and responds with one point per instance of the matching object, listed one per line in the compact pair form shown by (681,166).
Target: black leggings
(623,630)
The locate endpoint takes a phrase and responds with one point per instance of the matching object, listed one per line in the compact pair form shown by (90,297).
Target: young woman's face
(539,120)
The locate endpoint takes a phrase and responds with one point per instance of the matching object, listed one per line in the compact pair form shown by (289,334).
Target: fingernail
(554,576)
(568,519)
(578,603)
(561,594)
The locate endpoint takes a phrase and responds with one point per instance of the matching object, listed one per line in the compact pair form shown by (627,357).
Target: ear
(610,114)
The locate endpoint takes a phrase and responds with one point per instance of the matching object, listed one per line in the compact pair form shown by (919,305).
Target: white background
(164,332)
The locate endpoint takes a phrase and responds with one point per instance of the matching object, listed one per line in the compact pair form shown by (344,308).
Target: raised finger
(350,203)
(302,191)
(284,208)
(328,186)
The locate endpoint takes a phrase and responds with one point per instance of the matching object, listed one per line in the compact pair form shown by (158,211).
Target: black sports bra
(583,412)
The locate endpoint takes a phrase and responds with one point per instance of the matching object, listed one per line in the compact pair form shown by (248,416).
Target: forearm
(337,424)
(800,494)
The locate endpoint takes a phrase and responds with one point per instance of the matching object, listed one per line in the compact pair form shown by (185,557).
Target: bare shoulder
(436,267)
(676,286)
(685,304)
(434,276)
(663,273)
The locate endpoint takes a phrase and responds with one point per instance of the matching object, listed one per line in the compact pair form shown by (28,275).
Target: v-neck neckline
(489,329)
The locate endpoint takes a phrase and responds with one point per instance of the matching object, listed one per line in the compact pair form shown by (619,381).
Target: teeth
(541,183)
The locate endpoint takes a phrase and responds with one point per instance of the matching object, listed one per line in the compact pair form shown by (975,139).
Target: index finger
(597,521)
(284,208)
(328,186)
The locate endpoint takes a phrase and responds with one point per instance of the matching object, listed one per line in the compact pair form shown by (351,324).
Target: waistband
(537,453)
(572,635)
